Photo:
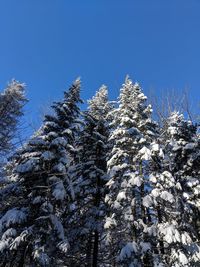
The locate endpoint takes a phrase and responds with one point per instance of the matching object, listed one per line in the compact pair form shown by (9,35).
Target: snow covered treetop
(132,92)
(133,109)
(99,106)
(179,127)
(16,89)
(77,82)
(13,97)
(74,92)
(71,102)
(12,100)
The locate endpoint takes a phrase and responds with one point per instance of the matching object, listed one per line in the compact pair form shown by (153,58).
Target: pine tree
(129,228)
(175,194)
(90,172)
(31,229)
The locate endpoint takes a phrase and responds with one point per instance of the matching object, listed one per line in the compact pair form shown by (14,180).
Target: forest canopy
(113,185)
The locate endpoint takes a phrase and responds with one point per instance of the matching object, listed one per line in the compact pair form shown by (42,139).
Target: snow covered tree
(12,101)
(129,229)
(175,194)
(106,188)
(90,178)
(31,228)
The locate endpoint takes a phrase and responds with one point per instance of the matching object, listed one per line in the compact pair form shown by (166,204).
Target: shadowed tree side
(31,229)
(90,172)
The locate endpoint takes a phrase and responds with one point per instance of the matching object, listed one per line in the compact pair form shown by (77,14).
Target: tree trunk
(89,251)
(95,249)
(162,250)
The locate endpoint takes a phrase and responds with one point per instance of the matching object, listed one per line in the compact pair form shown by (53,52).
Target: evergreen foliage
(106,187)
(32,231)
(12,101)
(175,193)
(90,178)
(129,230)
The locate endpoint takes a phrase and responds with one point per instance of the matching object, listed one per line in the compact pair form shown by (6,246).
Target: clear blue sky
(48,43)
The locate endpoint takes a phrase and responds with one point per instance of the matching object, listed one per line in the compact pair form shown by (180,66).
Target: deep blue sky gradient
(48,43)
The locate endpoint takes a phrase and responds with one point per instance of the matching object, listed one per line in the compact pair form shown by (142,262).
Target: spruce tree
(31,229)
(12,101)
(129,232)
(175,194)
(90,179)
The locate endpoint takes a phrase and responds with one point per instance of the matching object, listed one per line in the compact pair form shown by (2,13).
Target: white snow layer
(59,191)
(12,216)
(145,153)
(128,250)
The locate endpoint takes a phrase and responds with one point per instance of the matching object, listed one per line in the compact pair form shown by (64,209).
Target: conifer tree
(90,172)
(107,188)
(184,153)
(12,101)
(175,194)
(129,229)
(31,229)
